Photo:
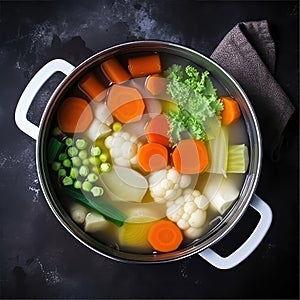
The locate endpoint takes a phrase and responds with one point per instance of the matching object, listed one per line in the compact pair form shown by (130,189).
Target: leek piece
(219,152)
(55,147)
(99,205)
(238,159)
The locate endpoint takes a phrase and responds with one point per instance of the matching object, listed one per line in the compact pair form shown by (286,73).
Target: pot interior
(109,238)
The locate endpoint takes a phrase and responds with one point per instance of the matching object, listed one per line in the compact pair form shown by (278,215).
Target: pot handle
(32,88)
(249,245)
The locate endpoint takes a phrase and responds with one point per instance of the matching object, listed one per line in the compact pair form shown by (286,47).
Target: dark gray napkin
(247,52)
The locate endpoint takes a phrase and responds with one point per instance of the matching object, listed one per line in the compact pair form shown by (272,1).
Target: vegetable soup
(147,152)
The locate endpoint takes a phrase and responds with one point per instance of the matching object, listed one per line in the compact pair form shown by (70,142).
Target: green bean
(105,167)
(69,141)
(81,144)
(67,163)
(97,191)
(83,171)
(92,177)
(76,161)
(72,151)
(87,186)
(103,157)
(74,173)
(67,181)
(77,184)
(82,154)
(62,172)
(55,166)
(62,156)
(95,151)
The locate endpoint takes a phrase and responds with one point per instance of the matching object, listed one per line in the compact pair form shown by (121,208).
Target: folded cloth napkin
(247,52)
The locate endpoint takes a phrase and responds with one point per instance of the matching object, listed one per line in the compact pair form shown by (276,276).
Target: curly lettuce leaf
(197,101)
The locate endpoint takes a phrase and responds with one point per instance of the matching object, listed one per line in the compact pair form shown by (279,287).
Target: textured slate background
(38,258)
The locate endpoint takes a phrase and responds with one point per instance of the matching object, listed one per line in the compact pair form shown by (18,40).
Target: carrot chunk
(92,86)
(156,84)
(125,103)
(190,157)
(231,112)
(115,71)
(144,65)
(157,130)
(74,115)
(164,236)
(152,157)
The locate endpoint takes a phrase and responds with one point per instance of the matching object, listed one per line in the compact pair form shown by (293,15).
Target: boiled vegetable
(125,103)
(123,148)
(189,212)
(152,157)
(219,153)
(133,234)
(115,71)
(95,222)
(167,185)
(190,157)
(238,159)
(97,129)
(231,112)
(144,65)
(74,115)
(164,236)
(197,101)
(98,204)
(77,211)
(124,184)
(55,147)
(156,84)
(157,130)
(93,87)
(221,192)
(102,113)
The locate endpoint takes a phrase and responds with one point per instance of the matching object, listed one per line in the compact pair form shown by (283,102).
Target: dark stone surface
(39,258)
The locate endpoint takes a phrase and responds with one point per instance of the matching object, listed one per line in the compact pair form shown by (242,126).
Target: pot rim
(217,232)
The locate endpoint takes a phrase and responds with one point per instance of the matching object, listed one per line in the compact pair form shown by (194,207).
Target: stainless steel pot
(247,195)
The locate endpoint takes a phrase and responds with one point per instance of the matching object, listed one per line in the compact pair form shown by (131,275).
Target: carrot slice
(144,65)
(231,112)
(157,130)
(190,157)
(114,70)
(164,236)
(152,157)
(74,115)
(125,103)
(92,86)
(156,84)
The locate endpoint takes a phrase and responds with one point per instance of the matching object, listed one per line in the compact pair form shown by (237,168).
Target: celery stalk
(219,152)
(238,159)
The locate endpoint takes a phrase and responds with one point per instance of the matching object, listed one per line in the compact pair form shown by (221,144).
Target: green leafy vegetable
(54,149)
(197,102)
(98,204)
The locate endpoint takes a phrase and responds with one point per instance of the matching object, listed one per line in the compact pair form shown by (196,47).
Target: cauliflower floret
(123,148)
(167,184)
(189,212)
